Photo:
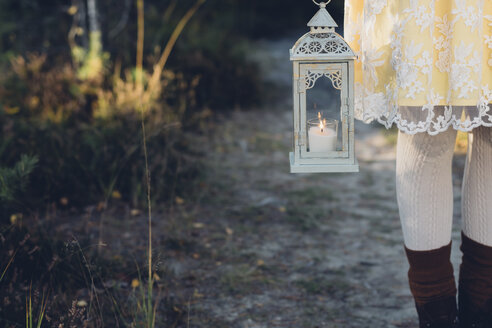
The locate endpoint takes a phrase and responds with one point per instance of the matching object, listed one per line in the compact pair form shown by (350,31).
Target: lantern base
(322,168)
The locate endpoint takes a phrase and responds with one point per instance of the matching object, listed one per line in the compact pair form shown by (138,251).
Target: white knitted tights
(476,199)
(425,192)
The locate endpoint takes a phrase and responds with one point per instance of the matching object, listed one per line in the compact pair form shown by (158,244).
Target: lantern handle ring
(322,4)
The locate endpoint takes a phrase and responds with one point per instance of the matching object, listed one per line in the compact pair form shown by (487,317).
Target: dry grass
(135,93)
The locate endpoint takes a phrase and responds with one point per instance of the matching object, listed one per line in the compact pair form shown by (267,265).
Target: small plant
(13,183)
(29,312)
(147,307)
(14,180)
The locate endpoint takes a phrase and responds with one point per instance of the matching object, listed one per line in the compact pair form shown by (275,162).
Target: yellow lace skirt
(424,65)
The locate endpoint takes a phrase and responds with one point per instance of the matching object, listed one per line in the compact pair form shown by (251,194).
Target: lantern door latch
(301,138)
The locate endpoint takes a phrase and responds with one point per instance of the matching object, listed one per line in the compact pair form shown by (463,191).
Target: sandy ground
(259,247)
(263,248)
(307,250)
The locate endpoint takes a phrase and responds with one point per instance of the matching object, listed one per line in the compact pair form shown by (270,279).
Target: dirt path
(320,250)
(256,246)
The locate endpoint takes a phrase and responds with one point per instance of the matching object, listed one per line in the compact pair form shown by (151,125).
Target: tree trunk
(92,13)
(93,63)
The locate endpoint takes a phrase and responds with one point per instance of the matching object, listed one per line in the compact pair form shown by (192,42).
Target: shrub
(13,182)
(84,162)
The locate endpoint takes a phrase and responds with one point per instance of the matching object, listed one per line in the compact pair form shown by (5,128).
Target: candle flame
(322,122)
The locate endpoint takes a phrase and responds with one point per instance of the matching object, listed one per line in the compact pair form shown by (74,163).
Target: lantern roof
(322,42)
(322,19)
(321,46)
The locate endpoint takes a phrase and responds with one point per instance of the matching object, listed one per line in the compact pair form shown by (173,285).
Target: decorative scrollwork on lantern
(322,43)
(315,47)
(335,77)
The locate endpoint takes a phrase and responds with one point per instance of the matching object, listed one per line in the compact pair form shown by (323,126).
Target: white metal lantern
(323,99)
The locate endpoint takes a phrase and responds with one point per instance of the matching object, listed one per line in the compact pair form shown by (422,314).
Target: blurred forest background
(69,98)
(76,80)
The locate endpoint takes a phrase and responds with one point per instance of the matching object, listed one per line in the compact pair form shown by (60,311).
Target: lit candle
(321,137)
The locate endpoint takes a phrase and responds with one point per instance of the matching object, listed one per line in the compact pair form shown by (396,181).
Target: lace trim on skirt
(429,118)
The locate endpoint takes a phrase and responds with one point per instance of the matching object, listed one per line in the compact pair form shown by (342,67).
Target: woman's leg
(424,188)
(475,285)
(425,200)
(477,187)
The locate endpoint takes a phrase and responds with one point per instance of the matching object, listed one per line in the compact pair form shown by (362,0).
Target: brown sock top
(476,252)
(475,272)
(431,274)
(431,258)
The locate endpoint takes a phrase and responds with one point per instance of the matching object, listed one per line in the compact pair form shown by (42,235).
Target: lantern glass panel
(323,95)
(323,102)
